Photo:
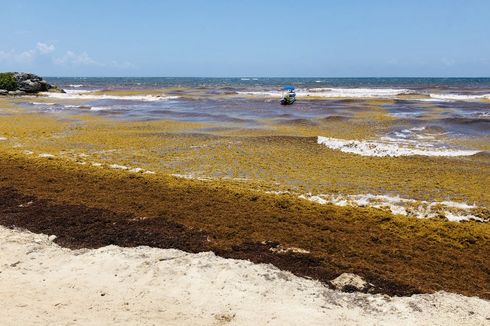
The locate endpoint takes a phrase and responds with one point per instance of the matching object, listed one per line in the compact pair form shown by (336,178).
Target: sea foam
(100,108)
(386,93)
(336,93)
(452,211)
(87,95)
(384,148)
(355,92)
(459,97)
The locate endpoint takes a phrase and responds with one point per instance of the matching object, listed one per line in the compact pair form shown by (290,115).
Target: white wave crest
(332,92)
(87,95)
(459,97)
(336,93)
(381,149)
(43,103)
(100,108)
(433,100)
(276,94)
(356,92)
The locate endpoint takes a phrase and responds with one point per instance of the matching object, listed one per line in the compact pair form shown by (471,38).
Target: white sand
(41,283)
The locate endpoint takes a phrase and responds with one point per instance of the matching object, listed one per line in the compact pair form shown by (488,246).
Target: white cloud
(77,59)
(27,56)
(24,57)
(70,58)
(83,59)
(13,56)
(45,48)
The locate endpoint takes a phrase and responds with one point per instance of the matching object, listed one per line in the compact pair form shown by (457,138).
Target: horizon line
(280,77)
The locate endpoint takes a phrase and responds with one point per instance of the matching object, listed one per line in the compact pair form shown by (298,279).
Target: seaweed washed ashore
(91,207)
(247,180)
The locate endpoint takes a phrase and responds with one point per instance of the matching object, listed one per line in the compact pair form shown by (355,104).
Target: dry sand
(42,283)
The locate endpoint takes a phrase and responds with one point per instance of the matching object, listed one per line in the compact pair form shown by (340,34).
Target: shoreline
(90,208)
(43,283)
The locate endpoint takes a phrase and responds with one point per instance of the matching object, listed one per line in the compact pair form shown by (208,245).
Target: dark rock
(55,89)
(29,83)
(32,86)
(21,76)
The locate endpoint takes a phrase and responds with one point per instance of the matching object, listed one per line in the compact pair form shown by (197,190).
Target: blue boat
(288,95)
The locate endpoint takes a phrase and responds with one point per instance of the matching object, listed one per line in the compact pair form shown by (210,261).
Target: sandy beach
(42,283)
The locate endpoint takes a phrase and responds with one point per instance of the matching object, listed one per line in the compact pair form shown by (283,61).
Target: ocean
(450,84)
(462,104)
(428,89)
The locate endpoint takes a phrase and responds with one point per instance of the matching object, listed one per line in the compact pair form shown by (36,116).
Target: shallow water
(437,112)
(258,97)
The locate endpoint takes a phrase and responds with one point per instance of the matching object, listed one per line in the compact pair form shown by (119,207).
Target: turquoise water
(451,84)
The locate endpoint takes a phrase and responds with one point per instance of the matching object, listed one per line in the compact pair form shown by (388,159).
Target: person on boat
(290,96)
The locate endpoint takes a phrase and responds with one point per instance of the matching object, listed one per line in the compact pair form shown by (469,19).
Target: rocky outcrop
(19,83)
(31,83)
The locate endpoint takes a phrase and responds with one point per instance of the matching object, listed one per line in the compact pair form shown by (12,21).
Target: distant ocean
(463,85)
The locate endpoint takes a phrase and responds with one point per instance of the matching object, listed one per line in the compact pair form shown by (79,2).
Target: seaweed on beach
(93,207)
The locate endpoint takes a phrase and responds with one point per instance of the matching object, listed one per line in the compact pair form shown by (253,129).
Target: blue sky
(246,38)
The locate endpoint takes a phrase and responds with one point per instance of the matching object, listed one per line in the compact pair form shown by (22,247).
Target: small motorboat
(288,95)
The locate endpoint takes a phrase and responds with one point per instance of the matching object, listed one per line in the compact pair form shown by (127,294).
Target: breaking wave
(337,92)
(381,93)
(43,103)
(88,95)
(389,147)
(100,108)
(356,92)
(459,97)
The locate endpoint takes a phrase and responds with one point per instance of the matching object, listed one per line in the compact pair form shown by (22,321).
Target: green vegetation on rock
(7,81)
